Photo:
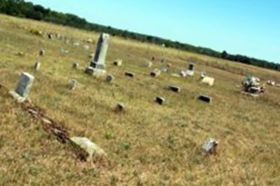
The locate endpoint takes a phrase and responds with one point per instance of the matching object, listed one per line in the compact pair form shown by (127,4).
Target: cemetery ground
(148,144)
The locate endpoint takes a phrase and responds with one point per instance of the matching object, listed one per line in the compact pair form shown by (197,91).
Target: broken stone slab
(205,98)
(155,73)
(120,107)
(129,74)
(110,78)
(210,146)
(118,62)
(37,66)
(174,88)
(160,100)
(23,88)
(72,84)
(88,146)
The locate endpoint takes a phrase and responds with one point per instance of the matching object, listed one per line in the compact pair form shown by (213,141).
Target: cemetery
(133,113)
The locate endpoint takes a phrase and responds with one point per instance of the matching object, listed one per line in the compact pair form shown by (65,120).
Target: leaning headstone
(91,148)
(210,146)
(174,88)
(205,98)
(160,100)
(37,65)
(98,62)
(110,78)
(72,84)
(120,107)
(129,74)
(118,62)
(75,65)
(155,73)
(23,88)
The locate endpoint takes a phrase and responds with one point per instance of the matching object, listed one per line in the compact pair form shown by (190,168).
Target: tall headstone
(23,88)
(98,62)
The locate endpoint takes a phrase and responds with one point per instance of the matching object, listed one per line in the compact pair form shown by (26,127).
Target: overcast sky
(249,27)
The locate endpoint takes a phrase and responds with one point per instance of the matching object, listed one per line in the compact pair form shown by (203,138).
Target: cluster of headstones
(97,68)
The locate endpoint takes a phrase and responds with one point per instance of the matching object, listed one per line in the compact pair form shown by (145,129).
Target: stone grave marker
(205,98)
(97,65)
(23,88)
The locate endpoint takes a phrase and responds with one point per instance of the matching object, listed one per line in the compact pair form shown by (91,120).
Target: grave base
(17,97)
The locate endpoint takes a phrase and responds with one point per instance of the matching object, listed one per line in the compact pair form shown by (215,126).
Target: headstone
(155,73)
(208,80)
(118,62)
(75,65)
(129,74)
(23,88)
(149,64)
(91,148)
(98,62)
(42,52)
(191,67)
(205,98)
(72,84)
(120,107)
(110,78)
(210,146)
(37,66)
(160,100)
(86,47)
(174,88)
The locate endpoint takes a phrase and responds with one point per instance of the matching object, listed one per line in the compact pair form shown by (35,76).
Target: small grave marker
(160,100)
(205,98)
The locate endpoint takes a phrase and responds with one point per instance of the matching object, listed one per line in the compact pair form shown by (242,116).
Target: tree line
(23,9)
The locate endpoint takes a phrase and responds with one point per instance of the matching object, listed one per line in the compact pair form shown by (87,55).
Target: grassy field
(148,144)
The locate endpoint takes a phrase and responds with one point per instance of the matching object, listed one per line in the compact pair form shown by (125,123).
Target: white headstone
(23,88)
(101,52)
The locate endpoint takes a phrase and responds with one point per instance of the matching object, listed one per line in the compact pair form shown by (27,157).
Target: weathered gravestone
(205,98)
(174,88)
(110,78)
(72,84)
(120,107)
(210,146)
(118,62)
(129,74)
(37,65)
(91,148)
(160,100)
(75,65)
(97,65)
(155,73)
(23,88)
(42,52)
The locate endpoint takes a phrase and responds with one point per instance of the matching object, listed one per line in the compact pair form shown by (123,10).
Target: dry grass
(147,145)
